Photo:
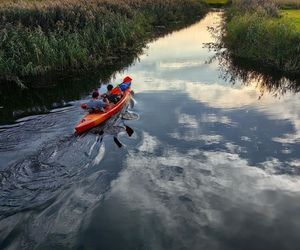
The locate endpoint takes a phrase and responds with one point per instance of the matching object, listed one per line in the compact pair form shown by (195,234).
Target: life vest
(123,86)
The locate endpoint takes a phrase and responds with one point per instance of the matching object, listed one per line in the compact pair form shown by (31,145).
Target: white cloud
(214,118)
(180,64)
(195,187)
(149,143)
(195,136)
(189,121)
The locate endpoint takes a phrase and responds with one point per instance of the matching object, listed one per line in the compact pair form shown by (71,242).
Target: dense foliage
(42,36)
(288,4)
(255,30)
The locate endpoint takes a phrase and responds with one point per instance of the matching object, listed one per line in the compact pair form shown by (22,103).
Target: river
(211,164)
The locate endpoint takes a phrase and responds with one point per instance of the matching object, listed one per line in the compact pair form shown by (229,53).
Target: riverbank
(39,37)
(259,32)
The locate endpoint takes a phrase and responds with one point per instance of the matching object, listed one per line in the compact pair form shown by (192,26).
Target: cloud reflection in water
(201,192)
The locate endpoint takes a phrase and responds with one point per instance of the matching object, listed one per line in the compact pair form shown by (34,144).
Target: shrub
(257,33)
(271,41)
(260,7)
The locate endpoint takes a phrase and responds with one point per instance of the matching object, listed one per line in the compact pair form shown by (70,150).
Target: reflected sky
(202,178)
(217,166)
(177,63)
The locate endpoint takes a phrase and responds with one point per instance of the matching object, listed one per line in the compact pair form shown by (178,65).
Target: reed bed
(255,30)
(43,36)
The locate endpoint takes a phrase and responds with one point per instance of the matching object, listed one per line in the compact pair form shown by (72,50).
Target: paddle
(116,140)
(129,130)
(100,138)
(119,144)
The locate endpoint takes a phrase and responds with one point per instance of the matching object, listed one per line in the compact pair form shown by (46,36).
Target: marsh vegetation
(74,35)
(259,31)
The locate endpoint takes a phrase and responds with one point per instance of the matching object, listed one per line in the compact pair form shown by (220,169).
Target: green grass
(293,16)
(217,2)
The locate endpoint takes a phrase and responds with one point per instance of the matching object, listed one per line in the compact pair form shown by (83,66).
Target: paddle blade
(100,138)
(129,130)
(119,144)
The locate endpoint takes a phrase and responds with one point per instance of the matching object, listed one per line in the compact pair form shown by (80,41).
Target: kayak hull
(92,120)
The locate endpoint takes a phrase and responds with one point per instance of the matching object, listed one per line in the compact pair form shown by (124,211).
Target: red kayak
(95,119)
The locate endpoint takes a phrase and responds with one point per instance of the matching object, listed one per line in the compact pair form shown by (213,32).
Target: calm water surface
(211,165)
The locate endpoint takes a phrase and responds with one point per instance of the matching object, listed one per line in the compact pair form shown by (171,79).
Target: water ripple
(29,183)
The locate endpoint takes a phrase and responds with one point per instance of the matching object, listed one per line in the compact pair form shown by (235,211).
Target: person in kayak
(95,104)
(112,98)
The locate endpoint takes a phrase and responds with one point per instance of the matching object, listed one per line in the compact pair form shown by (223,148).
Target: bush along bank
(255,30)
(37,37)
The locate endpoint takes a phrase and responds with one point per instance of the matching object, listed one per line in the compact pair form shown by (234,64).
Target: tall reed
(42,36)
(261,35)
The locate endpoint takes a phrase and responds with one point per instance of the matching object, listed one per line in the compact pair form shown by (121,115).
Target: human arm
(83,105)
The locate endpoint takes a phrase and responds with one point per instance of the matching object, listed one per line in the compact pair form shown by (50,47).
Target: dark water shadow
(52,91)
(34,182)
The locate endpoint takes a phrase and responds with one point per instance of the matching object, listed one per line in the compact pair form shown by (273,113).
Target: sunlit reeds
(42,36)
(255,30)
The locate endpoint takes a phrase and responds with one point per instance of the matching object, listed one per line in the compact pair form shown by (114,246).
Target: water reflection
(235,70)
(238,70)
(190,193)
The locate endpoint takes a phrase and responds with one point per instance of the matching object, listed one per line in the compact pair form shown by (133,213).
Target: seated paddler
(95,104)
(111,97)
